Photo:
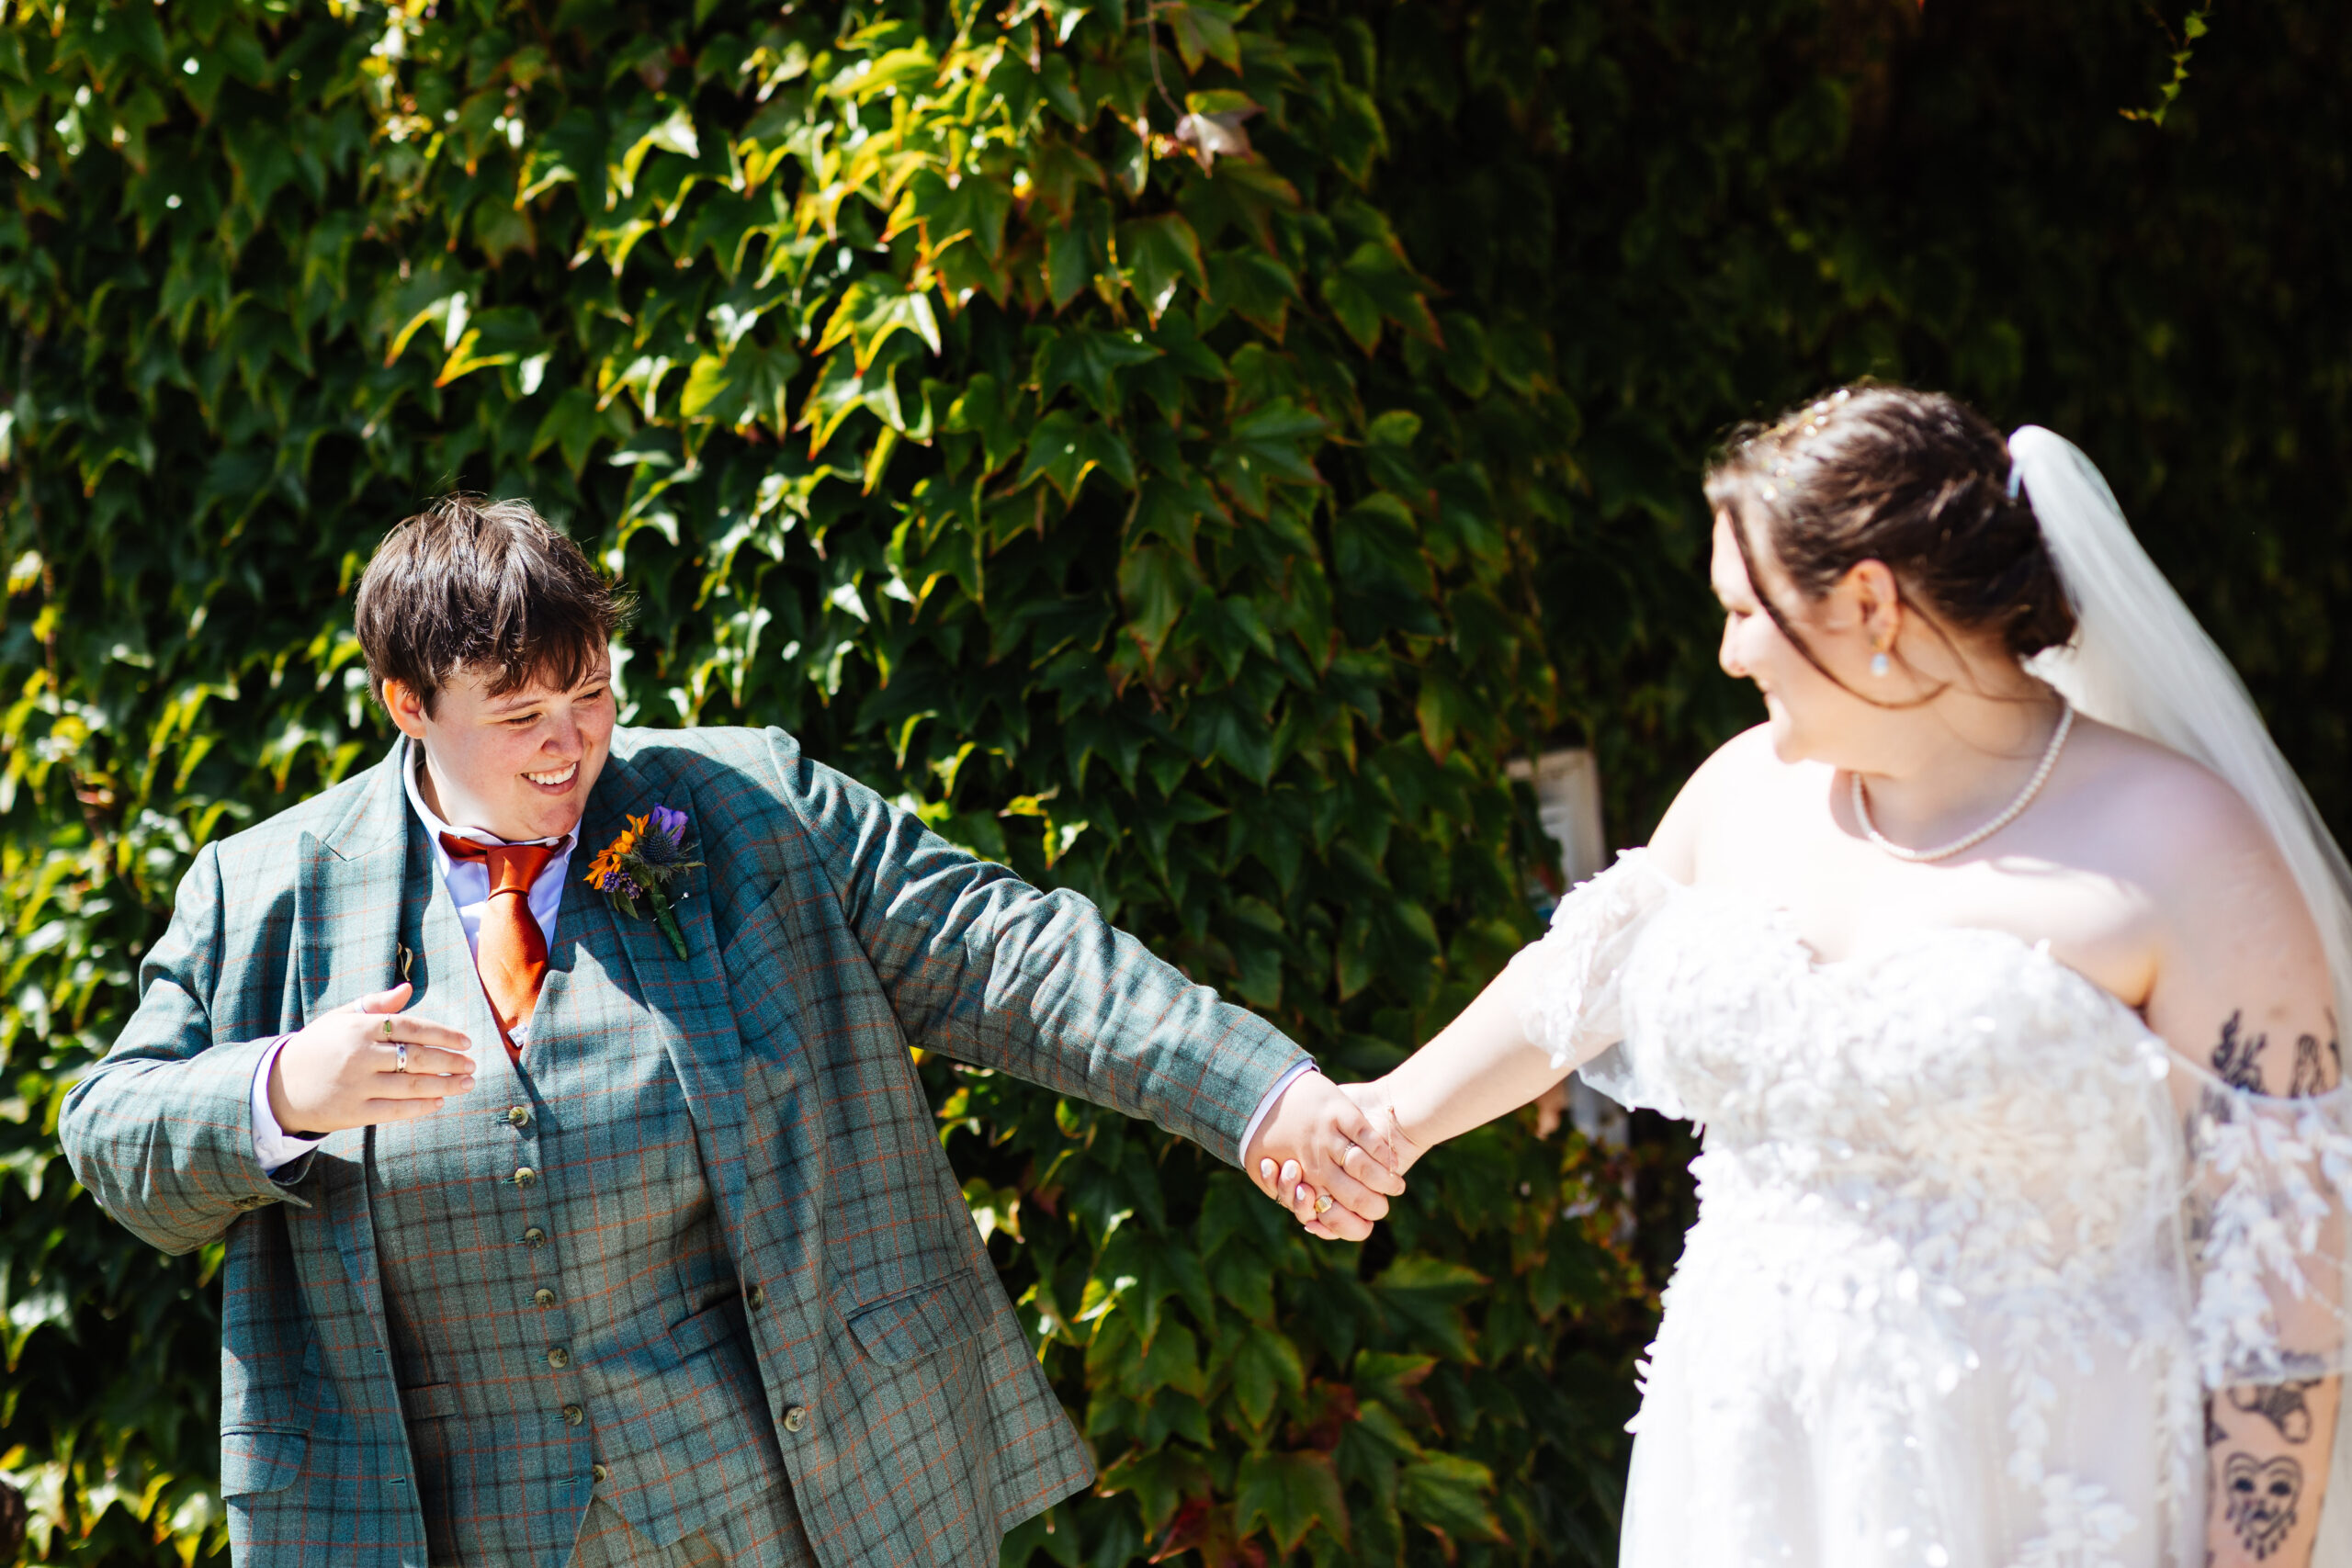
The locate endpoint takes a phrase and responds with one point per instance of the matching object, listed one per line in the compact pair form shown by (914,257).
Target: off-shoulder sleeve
(1569,979)
(2269,1190)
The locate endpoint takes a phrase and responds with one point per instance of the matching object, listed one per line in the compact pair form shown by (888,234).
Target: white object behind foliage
(1568,801)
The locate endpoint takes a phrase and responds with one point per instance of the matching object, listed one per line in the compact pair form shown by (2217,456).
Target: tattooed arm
(2268,1445)
(2242,987)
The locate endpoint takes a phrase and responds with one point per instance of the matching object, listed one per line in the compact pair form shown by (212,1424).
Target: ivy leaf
(1088,359)
(1427,1294)
(1159,1481)
(1056,168)
(744,387)
(1202,30)
(495,337)
(1155,583)
(1264,1365)
(1159,254)
(1449,1493)
(1290,1494)
(575,424)
(1064,448)
(1266,447)
(870,311)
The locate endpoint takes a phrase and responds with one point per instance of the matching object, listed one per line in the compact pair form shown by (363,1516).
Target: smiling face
(519,766)
(1809,713)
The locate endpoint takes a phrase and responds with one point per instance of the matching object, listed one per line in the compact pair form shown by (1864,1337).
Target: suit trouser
(766,1535)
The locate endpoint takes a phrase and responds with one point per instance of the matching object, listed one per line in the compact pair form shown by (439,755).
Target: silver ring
(400,1055)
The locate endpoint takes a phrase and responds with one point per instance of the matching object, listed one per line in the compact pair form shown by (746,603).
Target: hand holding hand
(364,1063)
(1317,1141)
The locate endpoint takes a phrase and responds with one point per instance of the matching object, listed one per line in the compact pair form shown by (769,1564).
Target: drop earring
(1880,663)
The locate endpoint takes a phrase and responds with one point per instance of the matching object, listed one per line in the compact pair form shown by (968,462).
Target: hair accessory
(1771,492)
(2015,809)
(1881,664)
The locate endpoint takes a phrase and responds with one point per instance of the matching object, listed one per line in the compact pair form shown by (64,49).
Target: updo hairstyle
(1916,480)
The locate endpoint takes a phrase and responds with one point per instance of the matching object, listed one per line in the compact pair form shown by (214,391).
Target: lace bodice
(1948,1152)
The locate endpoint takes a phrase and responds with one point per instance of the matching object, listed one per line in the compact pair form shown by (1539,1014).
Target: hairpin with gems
(1805,423)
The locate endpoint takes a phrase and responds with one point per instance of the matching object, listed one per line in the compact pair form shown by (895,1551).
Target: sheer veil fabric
(2140,662)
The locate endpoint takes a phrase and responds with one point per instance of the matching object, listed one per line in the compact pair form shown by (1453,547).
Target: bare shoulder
(2168,823)
(2228,917)
(1742,777)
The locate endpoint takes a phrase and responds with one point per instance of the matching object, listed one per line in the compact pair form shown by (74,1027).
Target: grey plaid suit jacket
(829,932)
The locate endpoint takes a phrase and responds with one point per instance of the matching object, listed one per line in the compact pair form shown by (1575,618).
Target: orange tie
(510,951)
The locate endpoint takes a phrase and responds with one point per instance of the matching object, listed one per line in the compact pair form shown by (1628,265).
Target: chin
(1788,743)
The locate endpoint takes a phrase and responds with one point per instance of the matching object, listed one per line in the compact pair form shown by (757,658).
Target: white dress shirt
(469,886)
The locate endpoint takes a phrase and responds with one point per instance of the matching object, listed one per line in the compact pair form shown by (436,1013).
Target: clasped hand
(1322,1138)
(367,1061)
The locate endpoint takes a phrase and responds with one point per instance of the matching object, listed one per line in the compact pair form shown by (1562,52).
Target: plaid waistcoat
(586,1318)
(829,932)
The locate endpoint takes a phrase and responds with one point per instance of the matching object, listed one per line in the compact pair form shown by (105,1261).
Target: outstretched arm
(985,968)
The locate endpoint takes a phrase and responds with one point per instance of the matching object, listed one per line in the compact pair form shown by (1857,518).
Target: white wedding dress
(1972,1244)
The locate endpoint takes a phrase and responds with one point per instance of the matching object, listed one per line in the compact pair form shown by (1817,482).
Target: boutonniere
(635,871)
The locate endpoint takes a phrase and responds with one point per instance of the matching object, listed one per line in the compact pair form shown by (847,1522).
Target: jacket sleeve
(980,966)
(161,1131)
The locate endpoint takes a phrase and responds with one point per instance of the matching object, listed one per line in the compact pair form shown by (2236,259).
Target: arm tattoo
(2262,1495)
(2237,1060)
(2282,1405)
(2234,1059)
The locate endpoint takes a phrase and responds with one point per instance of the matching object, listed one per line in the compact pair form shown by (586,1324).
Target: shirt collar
(412,763)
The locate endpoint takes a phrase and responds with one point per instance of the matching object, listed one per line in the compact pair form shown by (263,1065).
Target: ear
(1878,604)
(406,707)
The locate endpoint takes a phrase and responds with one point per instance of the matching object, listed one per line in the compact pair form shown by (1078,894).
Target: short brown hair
(1918,481)
(482,585)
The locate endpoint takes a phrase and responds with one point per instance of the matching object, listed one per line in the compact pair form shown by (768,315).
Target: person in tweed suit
(547,1245)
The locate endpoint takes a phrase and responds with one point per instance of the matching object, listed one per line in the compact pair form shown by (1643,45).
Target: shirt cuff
(1266,1106)
(274,1146)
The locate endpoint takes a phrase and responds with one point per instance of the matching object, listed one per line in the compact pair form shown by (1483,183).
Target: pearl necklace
(2016,807)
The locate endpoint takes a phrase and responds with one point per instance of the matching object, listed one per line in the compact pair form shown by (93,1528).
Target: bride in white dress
(2010,1026)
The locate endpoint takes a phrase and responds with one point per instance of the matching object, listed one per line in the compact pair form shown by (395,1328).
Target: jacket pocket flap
(927,1319)
(260,1460)
(709,1328)
(430,1402)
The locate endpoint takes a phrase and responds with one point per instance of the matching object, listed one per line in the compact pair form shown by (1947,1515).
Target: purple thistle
(670,825)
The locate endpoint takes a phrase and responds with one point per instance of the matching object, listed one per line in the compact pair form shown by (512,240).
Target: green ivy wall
(1201,535)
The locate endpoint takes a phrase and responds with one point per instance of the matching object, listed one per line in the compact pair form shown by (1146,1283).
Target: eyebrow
(519,699)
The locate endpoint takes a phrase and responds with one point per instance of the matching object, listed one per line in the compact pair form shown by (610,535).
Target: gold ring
(388,1026)
(1322,1204)
(399,1056)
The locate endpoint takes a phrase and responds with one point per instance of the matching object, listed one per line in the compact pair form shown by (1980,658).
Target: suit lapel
(687,1000)
(350,886)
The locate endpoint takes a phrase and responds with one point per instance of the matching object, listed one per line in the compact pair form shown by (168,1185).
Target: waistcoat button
(755,1298)
(520,1115)
(574,1415)
(558,1358)
(525,1176)
(597,1473)
(796,1416)
(535,1236)
(544,1296)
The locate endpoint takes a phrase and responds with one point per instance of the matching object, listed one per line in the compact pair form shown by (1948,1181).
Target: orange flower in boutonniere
(635,871)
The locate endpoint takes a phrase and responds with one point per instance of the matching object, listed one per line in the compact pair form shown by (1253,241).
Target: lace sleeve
(1569,993)
(2270,1189)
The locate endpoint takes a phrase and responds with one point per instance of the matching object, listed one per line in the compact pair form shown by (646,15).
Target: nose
(1728,653)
